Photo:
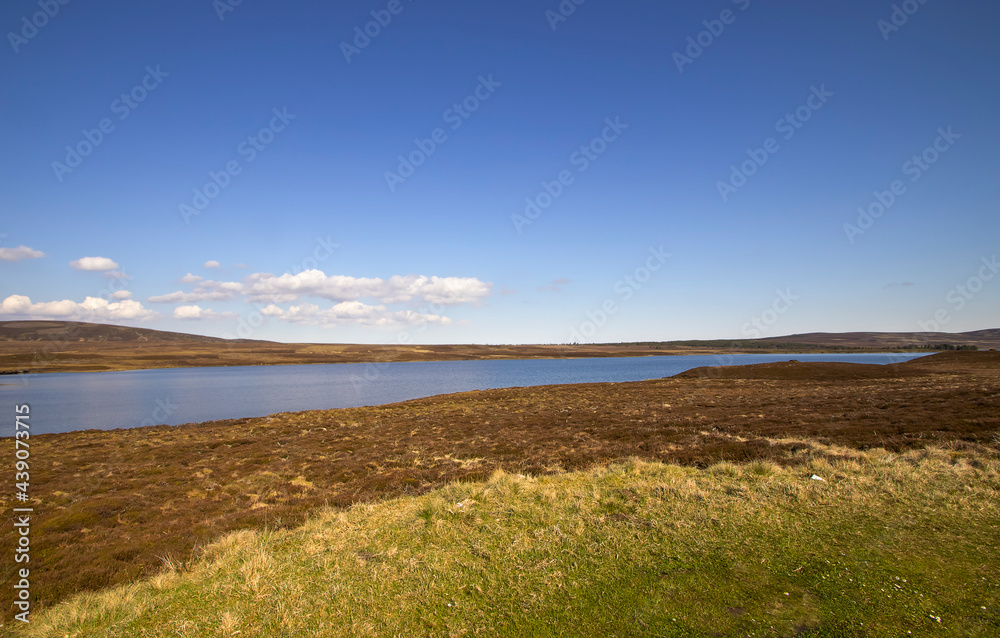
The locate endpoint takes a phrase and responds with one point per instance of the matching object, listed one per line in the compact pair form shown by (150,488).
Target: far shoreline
(39,347)
(92,363)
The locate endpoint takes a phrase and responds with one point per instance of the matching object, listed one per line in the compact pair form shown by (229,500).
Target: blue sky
(696,169)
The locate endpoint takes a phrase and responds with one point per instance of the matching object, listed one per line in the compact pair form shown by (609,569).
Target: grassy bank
(886,544)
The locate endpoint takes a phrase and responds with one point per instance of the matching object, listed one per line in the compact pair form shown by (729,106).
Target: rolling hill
(984,339)
(78,331)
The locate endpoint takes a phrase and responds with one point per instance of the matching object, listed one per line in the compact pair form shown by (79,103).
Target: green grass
(885,545)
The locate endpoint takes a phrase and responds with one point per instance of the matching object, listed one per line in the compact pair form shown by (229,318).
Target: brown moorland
(113,506)
(101,356)
(67,346)
(812,371)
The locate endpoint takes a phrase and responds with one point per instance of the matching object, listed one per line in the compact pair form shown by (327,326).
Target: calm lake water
(64,402)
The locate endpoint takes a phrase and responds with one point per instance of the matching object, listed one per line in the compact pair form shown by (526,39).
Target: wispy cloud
(556,285)
(351,312)
(207,291)
(19,253)
(445,291)
(194,312)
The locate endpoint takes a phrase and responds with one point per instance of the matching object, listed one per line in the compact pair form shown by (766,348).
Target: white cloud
(194,312)
(15,304)
(396,289)
(91,309)
(19,253)
(122,294)
(94,264)
(272,311)
(351,312)
(187,312)
(212,264)
(208,291)
(268,288)
(347,292)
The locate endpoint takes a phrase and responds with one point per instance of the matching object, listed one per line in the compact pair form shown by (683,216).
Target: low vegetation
(847,544)
(114,507)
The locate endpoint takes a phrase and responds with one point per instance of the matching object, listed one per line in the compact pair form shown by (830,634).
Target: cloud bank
(352,297)
(94,309)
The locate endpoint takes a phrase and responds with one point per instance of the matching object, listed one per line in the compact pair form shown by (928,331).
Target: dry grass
(112,507)
(886,543)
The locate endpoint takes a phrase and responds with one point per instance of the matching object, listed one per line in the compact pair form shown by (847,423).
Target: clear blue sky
(647,231)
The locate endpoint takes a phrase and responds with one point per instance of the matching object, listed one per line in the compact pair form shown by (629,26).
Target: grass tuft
(886,544)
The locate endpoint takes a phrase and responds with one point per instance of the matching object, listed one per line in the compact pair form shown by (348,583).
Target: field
(118,506)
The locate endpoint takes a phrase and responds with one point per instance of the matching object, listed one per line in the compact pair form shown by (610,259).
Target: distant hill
(984,339)
(77,331)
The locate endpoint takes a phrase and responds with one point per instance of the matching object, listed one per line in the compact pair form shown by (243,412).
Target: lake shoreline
(92,360)
(173,396)
(112,504)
